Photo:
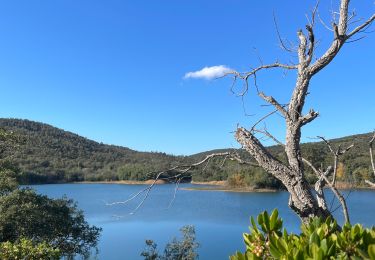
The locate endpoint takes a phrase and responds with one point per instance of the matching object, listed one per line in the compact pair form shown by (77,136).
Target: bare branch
(175,192)
(308,117)
(340,37)
(372,160)
(282,44)
(301,50)
(350,18)
(355,40)
(338,41)
(241,94)
(207,163)
(323,179)
(310,29)
(145,190)
(336,154)
(207,158)
(370,183)
(371,153)
(328,55)
(341,152)
(319,185)
(339,197)
(235,157)
(361,27)
(246,75)
(273,102)
(260,153)
(327,143)
(316,171)
(324,24)
(181,169)
(343,19)
(268,134)
(311,48)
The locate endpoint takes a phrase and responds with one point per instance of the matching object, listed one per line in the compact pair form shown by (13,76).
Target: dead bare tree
(302,200)
(372,160)
(292,173)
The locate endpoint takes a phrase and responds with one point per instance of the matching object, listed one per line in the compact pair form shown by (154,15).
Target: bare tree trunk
(302,200)
(371,160)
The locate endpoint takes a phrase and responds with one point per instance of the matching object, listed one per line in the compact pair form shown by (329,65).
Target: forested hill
(46,154)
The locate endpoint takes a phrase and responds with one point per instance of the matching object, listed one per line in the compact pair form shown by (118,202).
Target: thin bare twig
(361,27)
(281,41)
(269,135)
(324,24)
(263,118)
(175,192)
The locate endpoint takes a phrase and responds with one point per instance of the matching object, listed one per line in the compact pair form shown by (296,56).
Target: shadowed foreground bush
(319,240)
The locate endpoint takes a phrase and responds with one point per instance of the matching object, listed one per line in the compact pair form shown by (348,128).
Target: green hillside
(46,154)
(354,166)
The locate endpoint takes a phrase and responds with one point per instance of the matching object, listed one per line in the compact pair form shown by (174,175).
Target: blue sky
(113,71)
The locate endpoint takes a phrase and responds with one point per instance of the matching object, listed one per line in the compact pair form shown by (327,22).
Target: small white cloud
(208,72)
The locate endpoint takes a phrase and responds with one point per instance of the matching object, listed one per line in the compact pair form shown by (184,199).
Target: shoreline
(215,186)
(130,182)
(148,182)
(211,183)
(229,189)
(205,186)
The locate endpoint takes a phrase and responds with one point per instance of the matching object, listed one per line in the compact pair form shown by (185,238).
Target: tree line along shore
(45,154)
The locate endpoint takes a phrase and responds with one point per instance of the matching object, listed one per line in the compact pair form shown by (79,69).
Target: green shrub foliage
(29,220)
(184,249)
(26,249)
(25,213)
(33,226)
(320,239)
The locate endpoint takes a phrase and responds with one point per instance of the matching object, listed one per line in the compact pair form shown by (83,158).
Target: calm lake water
(220,218)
